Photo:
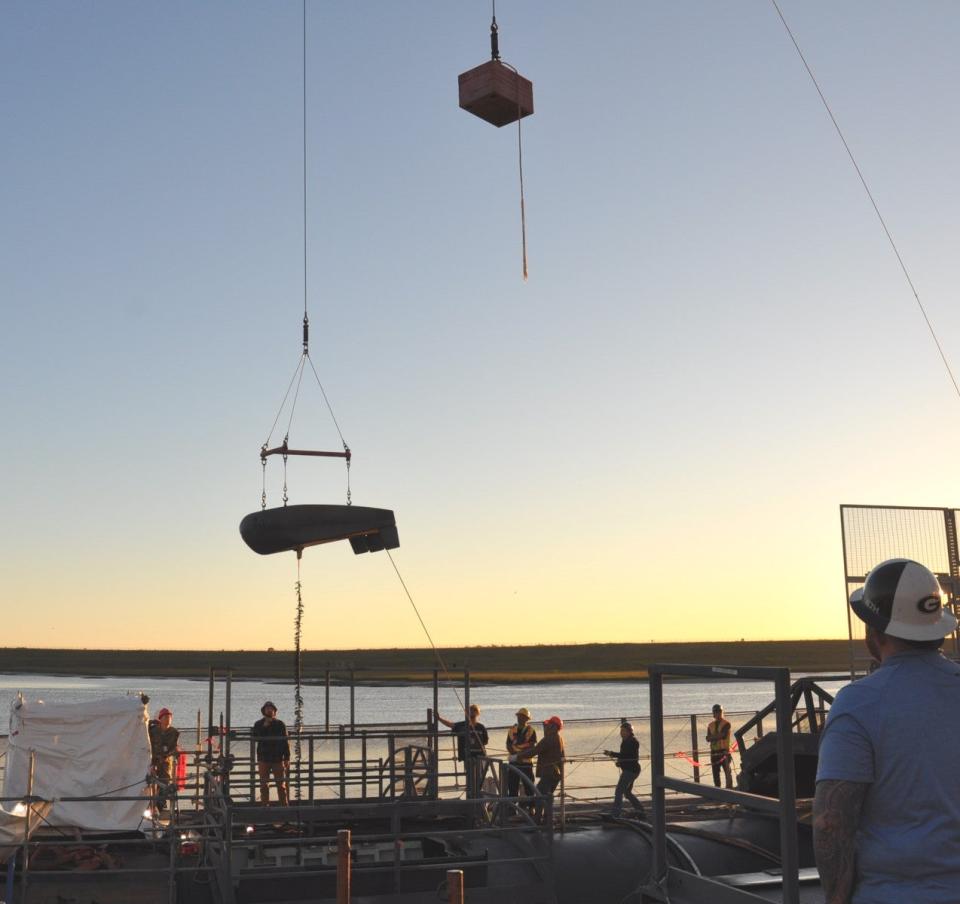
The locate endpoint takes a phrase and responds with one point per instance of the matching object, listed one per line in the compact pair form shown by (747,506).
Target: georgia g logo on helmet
(929,604)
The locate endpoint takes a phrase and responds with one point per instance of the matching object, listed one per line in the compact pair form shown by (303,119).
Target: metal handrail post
(172,883)
(787,791)
(225,738)
(343,867)
(326,701)
(658,801)
(213,675)
(695,747)
(25,868)
(392,759)
(353,690)
(363,765)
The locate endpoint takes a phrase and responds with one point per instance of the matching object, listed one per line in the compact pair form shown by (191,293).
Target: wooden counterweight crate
(496,93)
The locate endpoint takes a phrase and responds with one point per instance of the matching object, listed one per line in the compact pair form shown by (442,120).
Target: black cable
(866,188)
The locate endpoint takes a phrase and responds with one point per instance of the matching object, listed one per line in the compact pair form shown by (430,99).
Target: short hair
(474,708)
(927,645)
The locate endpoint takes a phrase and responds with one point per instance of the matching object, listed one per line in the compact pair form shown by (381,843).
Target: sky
(649,439)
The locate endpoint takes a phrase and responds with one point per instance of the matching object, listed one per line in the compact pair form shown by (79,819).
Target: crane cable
(495,56)
(436,651)
(873,202)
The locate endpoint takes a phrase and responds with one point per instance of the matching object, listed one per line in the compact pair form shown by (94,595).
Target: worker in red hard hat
(549,752)
(163,749)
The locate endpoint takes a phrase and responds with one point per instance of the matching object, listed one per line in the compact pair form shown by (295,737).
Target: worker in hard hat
(628,762)
(886,815)
(163,751)
(718,734)
(472,739)
(521,736)
(549,752)
(273,754)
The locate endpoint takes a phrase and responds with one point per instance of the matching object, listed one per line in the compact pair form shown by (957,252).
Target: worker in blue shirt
(886,815)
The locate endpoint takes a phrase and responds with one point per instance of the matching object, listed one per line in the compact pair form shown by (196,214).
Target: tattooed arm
(836,815)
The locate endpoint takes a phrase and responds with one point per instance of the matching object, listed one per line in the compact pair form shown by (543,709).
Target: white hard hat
(903,598)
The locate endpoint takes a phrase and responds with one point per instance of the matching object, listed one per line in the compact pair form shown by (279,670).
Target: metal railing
(662,875)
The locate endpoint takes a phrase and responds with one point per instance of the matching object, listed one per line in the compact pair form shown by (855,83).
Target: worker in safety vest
(549,751)
(520,737)
(718,734)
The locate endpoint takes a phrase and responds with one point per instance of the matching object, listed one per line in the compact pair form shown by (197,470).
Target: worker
(550,755)
(273,753)
(628,762)
(886,814)
(472,740)
(718,734)
(522,736)
(163,753)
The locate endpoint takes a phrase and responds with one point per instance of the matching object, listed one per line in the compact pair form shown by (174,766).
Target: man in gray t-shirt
(887,805)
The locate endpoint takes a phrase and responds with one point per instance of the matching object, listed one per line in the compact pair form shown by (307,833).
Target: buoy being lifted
(292,528)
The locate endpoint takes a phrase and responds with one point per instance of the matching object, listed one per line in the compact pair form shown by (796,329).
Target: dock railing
(663,877)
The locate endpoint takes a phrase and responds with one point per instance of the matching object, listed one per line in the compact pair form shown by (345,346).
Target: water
(393,704)
(591,711)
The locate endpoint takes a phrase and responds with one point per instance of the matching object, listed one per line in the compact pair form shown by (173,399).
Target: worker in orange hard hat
(549,752)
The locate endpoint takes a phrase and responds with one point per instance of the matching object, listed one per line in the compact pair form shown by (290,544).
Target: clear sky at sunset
(649,439)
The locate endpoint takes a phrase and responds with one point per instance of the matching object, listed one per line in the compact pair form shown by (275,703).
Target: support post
(392,759)
(432,715)
(353,713)
(210,716)
(225,738)
(253,769)
(363,765)
(563,798)
(343,764)
(695,746)
(196,790)
(25,854)
(787,790)
(326,700)
(467,755)
(310,767)
(846,597)
(454,886)
(343,866)
(659,871)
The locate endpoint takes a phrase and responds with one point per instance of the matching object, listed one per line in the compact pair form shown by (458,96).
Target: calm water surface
(591,711)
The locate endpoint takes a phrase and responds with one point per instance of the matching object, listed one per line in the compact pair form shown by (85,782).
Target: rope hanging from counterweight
(298,676)
(495,55)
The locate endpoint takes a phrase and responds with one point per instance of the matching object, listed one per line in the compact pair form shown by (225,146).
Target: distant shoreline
(486,665)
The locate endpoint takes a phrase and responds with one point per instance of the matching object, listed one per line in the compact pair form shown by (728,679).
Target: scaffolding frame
(870,534)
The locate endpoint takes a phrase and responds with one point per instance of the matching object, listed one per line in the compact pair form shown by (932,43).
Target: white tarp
(97,748)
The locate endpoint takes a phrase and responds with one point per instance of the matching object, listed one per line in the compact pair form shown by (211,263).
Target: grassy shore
(575,662)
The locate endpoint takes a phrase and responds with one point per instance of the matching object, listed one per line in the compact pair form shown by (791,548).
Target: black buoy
(294,527)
